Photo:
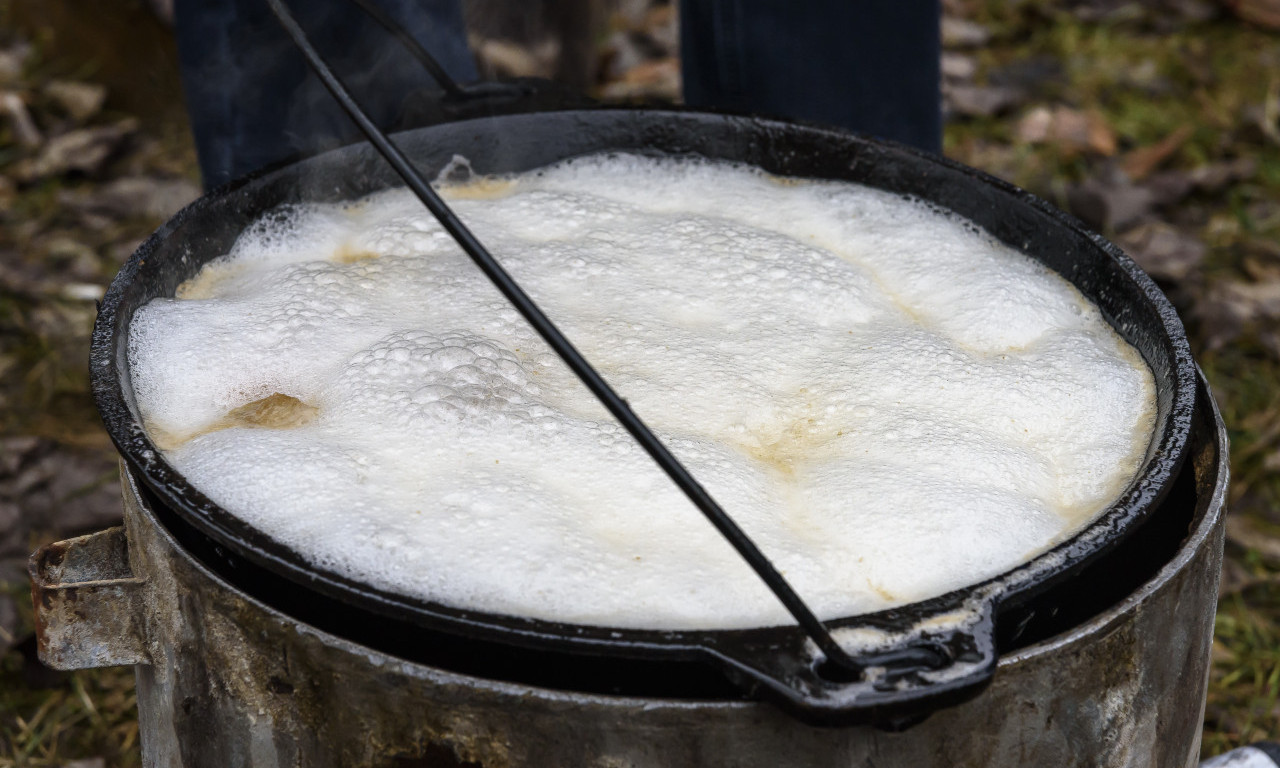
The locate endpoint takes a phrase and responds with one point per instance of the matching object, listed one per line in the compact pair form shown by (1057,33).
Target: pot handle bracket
(87,603)
(946,657)
(450,101)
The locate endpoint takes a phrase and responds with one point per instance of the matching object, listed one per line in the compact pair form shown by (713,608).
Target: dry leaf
(1110,202)
(1164,251)
(1034,126)
(1071,130)
(24,128)
(507,59)
(1245,534)
(1264,13)
(981,100)
(1139,163)
(958,66)
(12,61)
(1213,177)
(963,33)
(134,196)
(650,79)
(80,101)
(1230,307)
(85,150)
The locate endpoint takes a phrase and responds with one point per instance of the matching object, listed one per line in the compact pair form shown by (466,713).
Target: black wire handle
(557,341)
(428,62)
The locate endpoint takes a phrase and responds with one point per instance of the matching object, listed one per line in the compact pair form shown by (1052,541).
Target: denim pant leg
(253,101)
(868,65)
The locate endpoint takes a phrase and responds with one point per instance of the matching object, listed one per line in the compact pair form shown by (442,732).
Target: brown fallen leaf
(980,100)
(962,33)
(1110,201)
(623,50)
(1264,13)
(1244,533)
(1213,177)
(86,150)
(651,79)
(134,196)
(1169,187)
(1230,307)
(1035,125)
(1263,263)
(1262,298)
(1162,250)
(13,60)
(1071,130)
(503,58)
(653,72)
(80,101)
(662,25)
(958,66)
(24,128)
(1139,163)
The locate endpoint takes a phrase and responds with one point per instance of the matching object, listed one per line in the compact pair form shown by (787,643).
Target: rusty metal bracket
(87,602)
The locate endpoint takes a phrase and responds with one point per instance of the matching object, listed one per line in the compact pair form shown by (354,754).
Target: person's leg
(252,99)
(868,65)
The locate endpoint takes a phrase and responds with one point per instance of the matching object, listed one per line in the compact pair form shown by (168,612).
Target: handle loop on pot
(460,101)
(88,603)
(947,656)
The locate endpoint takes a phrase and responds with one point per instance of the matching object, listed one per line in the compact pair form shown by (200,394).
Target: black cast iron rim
(774,661)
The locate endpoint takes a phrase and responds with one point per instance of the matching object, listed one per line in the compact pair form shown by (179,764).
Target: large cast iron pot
(937,652)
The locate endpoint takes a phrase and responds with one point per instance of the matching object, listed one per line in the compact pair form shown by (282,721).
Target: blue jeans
(871,66)
(867,65)
(253,101)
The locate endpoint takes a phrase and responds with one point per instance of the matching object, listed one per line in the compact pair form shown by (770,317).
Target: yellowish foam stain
(348,255)
(275,411)
(207,282)
(484,188)
(795,441)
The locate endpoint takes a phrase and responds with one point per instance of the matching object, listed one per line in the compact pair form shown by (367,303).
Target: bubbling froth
(891,404)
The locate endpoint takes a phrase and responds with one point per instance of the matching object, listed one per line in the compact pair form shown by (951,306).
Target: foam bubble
(889,402)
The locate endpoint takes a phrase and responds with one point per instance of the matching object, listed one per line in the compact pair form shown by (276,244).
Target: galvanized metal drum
(228,679)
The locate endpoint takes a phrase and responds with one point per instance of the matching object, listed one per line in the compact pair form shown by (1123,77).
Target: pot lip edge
(1191,547)
(695,114)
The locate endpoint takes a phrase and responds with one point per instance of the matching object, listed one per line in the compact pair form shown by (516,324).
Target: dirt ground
(1155,121)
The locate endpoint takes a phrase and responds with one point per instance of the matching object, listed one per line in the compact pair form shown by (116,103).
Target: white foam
(890,403)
